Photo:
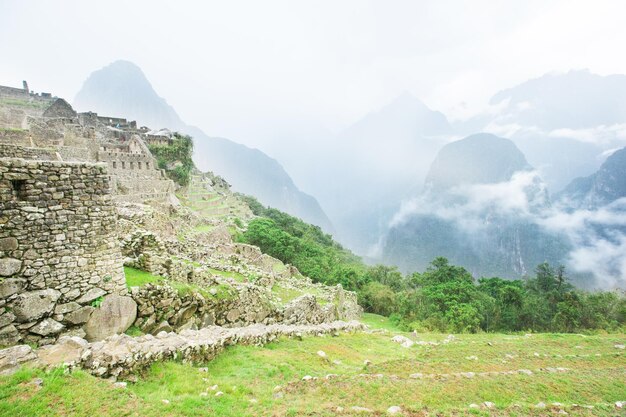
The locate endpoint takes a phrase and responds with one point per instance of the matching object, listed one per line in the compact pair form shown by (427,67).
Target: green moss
(134,331)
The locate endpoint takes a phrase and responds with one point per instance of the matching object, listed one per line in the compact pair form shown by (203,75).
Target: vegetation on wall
(443,298)
(175,158)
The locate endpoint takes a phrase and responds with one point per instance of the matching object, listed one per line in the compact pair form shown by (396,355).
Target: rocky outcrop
(115,315)
(122,355)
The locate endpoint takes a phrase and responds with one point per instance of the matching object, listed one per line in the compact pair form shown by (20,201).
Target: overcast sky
(236,67)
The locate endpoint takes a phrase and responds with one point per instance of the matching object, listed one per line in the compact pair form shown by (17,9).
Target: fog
(247,69)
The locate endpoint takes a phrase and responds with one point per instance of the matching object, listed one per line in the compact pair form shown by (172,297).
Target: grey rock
(115,315)
(6,319)
(9,267)
(35,304)
(47,327)
(91,295)
(8,243)
(9,335)
(66,350)
(66,308)
(13,357)
(79,316)
(11,286)
(164,326)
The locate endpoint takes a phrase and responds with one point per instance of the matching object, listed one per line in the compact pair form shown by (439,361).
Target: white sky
(242,69)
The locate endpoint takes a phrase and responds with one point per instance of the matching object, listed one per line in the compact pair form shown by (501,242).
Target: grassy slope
(246,373)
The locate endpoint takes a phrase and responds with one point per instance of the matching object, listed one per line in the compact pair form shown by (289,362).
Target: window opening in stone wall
(114,164)
(19,189)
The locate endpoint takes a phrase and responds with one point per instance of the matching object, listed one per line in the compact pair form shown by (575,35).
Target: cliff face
(121,88)
(605,186)
(477,208)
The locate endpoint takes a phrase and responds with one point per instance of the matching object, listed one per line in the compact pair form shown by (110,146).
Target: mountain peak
(122,89)
(482,158)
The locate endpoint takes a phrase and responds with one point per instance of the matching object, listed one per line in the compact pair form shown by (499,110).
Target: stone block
(11,286)
(35,304)
(47,327)
(79,316)
(8,243)
(9,267)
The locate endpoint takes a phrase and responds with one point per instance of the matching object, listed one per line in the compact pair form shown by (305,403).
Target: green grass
(286,294)
(11,129)
(374,321)
(137,278)
(246,373)
(16,102)
(224,292)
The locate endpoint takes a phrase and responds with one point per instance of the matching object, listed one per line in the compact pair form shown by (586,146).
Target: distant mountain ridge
(121,89)
(603,187)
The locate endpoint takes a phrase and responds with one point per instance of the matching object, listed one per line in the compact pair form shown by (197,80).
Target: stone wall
(15,136)
(58,252)
(14,151)
(162,308)
(12,92)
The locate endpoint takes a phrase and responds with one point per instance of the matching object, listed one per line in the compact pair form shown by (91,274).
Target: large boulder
(34,305)
(115,315)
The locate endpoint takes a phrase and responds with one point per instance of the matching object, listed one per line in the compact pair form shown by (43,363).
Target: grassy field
(268,381)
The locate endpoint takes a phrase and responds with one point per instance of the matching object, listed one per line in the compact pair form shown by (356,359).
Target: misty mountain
(574,100)
(361,174)
(122,90)
(605,186)
(564,123)
(479,196)
(477,159)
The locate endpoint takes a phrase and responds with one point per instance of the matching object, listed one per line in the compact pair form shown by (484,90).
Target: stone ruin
(65,178)
(60,174)
(34,126)
(58,250)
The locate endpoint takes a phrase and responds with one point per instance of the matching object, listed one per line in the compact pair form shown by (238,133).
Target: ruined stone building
(60,172)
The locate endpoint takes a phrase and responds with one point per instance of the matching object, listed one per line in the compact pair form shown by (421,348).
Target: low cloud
(597,236)
(598,135)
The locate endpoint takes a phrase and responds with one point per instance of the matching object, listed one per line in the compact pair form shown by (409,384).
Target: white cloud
(596,236)
(600,135)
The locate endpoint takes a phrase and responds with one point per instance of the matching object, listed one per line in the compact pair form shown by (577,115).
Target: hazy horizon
(257,72)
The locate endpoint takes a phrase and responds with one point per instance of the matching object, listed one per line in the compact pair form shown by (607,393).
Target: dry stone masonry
(58,251)
(120,356)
